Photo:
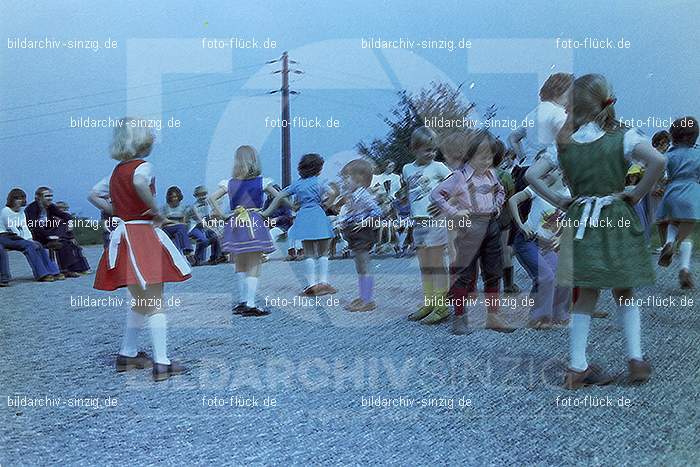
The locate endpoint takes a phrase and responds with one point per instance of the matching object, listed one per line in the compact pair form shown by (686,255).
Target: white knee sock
(686,249)
(158,324)
(578,340)
(310,271)
(323,269)
(671,233)
(130,342)
(242,289)
(632,324)
(252,283)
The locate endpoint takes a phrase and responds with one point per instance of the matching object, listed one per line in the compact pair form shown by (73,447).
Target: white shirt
(421,180)
(592,132)
(548,119)
(543,216)
(394,183)
(14,222)
(101,188)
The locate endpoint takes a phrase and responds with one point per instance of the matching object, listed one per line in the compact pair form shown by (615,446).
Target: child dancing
(594,152)
(140,256)
(430,240)
(680,206)
(358,227)
(246,235)
(473,196)
(311,226)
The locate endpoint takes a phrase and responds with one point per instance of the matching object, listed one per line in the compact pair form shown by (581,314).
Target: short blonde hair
(245,163)
(423,137)
(132,139)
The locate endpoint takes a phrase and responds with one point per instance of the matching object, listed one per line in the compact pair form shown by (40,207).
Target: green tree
(412,111)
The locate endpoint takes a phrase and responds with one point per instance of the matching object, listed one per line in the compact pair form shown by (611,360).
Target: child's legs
(544,299)
(684,230)
(580,327)
(433,270)
(148,302)
(491,258)
(361,262)
(249,263)
(632,322)
(316,248)
(663,230)
(506,249)
(527,253)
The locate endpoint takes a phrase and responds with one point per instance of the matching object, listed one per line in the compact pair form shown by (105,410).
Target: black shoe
(139,362)
(161,372)
(4,284)
(240,308)
(254,311)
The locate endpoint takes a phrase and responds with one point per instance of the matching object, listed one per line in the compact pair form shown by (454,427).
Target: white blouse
(14,222)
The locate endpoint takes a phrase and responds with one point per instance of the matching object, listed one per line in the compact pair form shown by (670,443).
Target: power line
(145,115)
(126,88)
(104,104)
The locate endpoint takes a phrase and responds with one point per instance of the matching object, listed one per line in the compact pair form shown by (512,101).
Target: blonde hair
(132,139)
(423,137)
(245,163)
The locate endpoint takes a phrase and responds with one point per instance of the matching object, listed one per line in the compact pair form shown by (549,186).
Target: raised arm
(213,200)
(275,203)
(513,203)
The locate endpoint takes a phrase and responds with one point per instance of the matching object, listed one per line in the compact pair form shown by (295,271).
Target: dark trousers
(479,245)
(70,257)
(4,266)
(205,237)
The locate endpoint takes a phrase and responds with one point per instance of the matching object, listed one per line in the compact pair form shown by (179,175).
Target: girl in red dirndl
(140,256)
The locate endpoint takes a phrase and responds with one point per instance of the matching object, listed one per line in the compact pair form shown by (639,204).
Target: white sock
(252,283)
(671,233)
(134,323)
(632,324)
(242,289)
(578,340)
(310,271)
(323,269)
(686,249)
(159,335)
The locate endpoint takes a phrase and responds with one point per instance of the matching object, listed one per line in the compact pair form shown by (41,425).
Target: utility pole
(286,119)
(286,136)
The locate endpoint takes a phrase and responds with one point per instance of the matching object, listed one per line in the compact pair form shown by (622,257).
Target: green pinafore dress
(610,250)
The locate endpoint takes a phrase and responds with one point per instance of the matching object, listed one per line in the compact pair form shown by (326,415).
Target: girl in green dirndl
(600,227)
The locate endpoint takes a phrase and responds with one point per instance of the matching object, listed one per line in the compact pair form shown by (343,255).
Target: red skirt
(140,255)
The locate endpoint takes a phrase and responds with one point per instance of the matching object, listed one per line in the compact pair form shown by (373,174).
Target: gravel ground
(308,371)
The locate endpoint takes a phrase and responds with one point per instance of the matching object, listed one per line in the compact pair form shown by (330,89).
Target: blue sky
(218,95)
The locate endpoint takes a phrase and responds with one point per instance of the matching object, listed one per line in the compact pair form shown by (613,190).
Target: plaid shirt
(360,205)
(464,189)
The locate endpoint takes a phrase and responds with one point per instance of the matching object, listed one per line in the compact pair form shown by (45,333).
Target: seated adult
(176,222)
(49,226)
(15,236)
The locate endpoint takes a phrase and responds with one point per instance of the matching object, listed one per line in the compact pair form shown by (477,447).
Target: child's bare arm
(513,203)
(655,164)
(213,200)
(535,178)
(275,203)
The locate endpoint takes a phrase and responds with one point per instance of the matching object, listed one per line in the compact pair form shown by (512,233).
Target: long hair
(15,193)
(245,163)
(592,101)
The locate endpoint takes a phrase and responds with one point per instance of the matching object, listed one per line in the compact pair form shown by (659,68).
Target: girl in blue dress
(679,210)
(311,226)
(246,235)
